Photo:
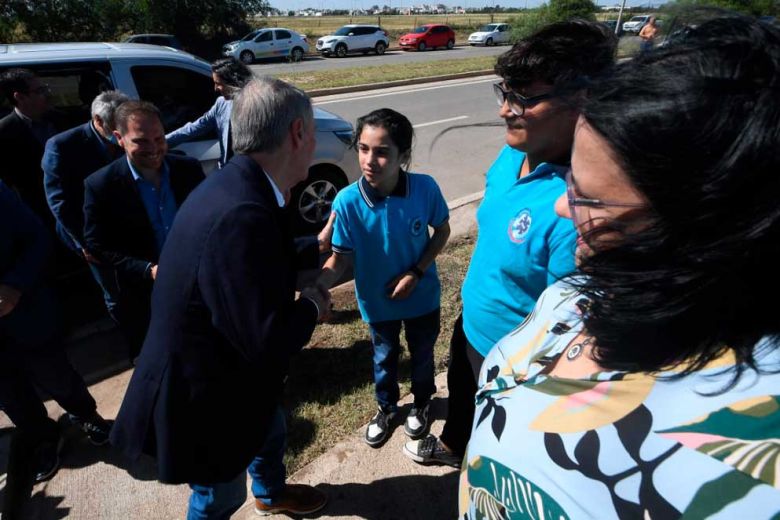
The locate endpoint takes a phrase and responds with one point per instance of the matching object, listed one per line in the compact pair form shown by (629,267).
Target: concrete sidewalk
(96,483)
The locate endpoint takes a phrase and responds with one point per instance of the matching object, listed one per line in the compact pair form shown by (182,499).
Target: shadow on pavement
(408,497)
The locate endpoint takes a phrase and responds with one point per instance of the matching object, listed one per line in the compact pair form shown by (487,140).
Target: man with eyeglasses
(23,133)
(522,246)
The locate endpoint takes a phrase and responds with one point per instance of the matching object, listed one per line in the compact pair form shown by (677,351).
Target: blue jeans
(105,276)
(219,501)
(421,333)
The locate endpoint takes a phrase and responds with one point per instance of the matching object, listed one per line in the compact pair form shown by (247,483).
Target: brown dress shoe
(296,499)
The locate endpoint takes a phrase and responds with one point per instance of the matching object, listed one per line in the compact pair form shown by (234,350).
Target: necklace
(576,349)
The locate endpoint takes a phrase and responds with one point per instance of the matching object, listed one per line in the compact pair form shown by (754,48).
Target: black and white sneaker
(430,450)
(416,424)
(377,429)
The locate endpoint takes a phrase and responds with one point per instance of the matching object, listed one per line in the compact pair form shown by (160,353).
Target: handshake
(320,295)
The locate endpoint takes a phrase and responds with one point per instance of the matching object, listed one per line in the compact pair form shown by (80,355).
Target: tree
(562,10)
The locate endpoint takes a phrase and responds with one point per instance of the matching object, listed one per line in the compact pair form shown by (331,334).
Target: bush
(556,11)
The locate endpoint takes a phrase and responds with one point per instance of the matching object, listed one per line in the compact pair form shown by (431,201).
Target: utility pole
(620,16)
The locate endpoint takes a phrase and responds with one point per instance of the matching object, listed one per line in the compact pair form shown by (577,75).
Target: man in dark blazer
(129,207)
(68,159)
(205,395)
(23,133)
(31,350)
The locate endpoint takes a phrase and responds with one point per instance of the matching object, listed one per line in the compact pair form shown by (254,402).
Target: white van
(180,85)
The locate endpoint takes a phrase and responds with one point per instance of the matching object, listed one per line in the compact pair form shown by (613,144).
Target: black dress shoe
(46,459)
(95,427)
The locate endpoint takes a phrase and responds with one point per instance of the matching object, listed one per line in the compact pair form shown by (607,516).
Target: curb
(398,83)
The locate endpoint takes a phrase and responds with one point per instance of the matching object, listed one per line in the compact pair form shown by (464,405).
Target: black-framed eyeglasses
(517,103)
(584,204)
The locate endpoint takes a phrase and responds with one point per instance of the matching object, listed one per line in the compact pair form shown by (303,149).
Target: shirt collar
(137,176)
(23,117)
(372,196)
(277,192)
(544,170)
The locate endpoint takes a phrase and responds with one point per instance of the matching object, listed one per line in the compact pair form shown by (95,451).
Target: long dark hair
(696,128)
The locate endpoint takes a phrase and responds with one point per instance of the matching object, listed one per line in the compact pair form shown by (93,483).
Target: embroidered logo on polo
(416,226)
(519,226)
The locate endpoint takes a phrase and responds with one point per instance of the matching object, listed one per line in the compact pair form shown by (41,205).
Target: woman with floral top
(648,386)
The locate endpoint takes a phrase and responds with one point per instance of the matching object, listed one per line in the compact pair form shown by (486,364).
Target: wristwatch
(416,271)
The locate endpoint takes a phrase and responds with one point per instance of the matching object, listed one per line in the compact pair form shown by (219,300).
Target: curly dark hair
(232,72)
(696,128)
(561,54)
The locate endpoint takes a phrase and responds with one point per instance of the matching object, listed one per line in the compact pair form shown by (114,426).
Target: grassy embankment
(330,392)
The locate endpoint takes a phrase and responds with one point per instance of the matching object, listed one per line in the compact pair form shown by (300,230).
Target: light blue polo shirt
(522,248)
(386,236)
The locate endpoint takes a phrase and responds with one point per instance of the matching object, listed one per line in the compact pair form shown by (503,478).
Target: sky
(287,5)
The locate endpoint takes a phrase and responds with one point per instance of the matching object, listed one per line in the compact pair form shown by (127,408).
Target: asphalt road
(318,63)
(460,158)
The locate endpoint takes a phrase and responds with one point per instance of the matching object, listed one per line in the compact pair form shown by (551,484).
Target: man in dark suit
(23,133)
(205,395)
(68,159)
(129,207)
(31,351)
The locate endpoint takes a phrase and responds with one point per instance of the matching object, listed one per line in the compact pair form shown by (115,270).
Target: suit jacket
(117,229)
(217,119)
(21,171)
(69,157)
(225,323)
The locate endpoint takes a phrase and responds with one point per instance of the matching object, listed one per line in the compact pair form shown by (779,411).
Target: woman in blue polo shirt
(522,246)
(380,226)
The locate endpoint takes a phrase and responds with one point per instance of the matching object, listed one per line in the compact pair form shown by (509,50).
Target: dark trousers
(462,377)
(133,313)
(31,355)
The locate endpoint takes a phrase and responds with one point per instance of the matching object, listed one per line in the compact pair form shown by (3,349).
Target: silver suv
(180,85)
(354,38)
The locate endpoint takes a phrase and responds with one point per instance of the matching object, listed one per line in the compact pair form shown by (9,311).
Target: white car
(635,24)
(491,34)
(354,38)
(274,42)
(180,85)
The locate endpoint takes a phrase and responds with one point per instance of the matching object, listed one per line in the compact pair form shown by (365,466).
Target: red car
(430,36)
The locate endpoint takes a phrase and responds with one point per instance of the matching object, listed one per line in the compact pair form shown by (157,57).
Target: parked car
(180,85)
(429,36)
(354,38)
(613,27)
(274,42)
(635,24)
(166,40)
(491,34)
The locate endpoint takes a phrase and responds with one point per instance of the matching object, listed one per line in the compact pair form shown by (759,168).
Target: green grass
(384,73)
(330,392)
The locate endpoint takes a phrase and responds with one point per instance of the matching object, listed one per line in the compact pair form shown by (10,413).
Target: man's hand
(326,235)
(89,258)
(153,272)
(321,297)
(402,285)
(9,298)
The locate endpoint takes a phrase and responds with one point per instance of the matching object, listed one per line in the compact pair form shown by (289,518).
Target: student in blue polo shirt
(380,226)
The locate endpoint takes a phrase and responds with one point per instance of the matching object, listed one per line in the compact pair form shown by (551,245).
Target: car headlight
(345,136)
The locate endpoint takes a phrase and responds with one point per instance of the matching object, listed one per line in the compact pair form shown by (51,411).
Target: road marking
(440,121)
(337,98)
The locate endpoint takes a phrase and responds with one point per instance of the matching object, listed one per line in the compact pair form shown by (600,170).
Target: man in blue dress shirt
(129,207)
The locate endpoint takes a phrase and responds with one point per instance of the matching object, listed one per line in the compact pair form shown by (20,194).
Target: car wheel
(421,46)
(247,57)
(296,54)
(489,42)
(311,200)
(341,50)
(450,44)
(380,48)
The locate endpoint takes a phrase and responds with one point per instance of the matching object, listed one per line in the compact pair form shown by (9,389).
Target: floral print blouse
(617,444)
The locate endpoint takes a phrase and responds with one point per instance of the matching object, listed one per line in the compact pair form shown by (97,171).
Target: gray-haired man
(205,395)
(69,158)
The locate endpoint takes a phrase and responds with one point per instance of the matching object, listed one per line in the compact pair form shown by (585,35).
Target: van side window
(73,87)
(182,95)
